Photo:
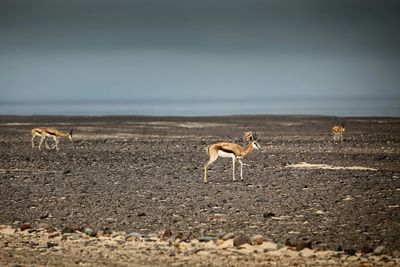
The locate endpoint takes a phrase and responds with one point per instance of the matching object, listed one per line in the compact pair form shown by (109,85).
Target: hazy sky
(99,50)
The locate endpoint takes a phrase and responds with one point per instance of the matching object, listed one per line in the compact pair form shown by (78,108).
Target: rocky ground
(127,180)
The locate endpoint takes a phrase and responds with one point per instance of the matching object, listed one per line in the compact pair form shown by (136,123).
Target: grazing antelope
(44,133)
(337,132)
(230,150)
(247,136)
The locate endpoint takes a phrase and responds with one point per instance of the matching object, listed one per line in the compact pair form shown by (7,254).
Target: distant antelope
(230,150)
(44,133)
(337,132)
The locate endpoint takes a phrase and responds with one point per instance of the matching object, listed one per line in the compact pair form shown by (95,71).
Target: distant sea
(196,107)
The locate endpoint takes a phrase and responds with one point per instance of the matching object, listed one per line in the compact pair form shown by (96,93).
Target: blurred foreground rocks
(74,245)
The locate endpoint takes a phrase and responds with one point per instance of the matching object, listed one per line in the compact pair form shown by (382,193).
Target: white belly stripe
(225,154)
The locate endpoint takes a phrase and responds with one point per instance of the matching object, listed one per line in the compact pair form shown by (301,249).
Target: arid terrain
(144,176)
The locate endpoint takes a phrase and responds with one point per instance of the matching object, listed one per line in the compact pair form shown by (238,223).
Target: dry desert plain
(129,191)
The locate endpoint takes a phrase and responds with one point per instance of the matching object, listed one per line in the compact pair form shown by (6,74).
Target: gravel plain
(144,175)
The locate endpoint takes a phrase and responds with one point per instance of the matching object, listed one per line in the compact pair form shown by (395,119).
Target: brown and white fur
(337,132)
(229,150)
(45,133)
(247,136)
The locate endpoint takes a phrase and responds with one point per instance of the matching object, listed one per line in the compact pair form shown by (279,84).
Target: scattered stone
(350,251)
(44,215)
(99,233)
(51,244)
(304,243)
(267,215)
(187,237)
(203,253)
(107,230)
(172,253)
(290,252)
(207,238)
(5,230)
(110,220)
(396,253)
(240,240)
(88,231)
(379,250)
(42,225)
(279,252)
(229,236)
(366,250)
(289,243)
(141,214)
(166,234)
(150,239)
(133,236)
(268,246)
(306,252)
(247,249)
(119,233)
(256,240)
(71,229)
(226,244)
(352,258)
(25,226)
(51,229)
(54,234)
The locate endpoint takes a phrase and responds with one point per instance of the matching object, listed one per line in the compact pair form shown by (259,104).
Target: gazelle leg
(241,168)
(56,140)
(33,141)
(209,162)
(46,144)
(41,142)
(233,167)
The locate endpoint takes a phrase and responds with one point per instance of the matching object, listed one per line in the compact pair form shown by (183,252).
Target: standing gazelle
(337,132)
(230,150)
(44,133)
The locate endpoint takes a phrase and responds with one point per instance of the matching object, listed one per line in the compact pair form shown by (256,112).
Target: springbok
(230,150)
(44,133)
(337,132)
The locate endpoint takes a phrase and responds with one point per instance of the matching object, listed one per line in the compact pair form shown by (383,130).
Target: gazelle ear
(254,136)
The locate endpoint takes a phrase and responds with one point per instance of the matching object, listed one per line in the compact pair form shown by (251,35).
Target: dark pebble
(366,249)
(107,230)
(25,226)
(350,251)
(166,234)
(44,215)
(268,215)
(240,240)
(51,244)
(302,244)
(71,229)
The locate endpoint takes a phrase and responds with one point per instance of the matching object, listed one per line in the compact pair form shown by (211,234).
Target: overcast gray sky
(132,50)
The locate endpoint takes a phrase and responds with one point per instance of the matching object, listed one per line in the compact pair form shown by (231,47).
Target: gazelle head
(247,136)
